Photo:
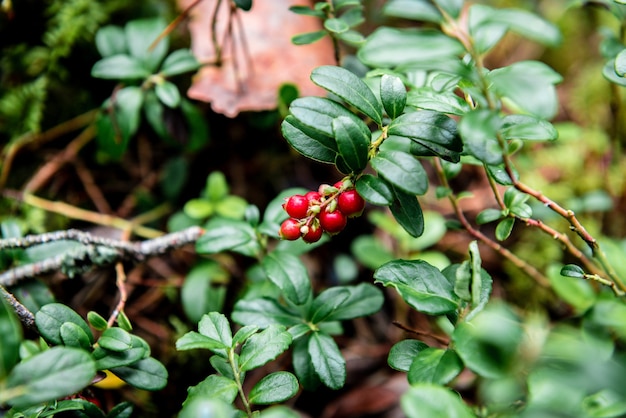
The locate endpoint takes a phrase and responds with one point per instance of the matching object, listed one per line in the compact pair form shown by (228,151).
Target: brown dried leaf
(237,86)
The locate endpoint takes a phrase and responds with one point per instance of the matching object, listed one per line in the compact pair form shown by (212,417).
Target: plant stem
(237,376)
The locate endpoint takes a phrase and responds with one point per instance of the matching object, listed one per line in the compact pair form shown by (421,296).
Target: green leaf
(488,343)
(318,113)
(302,364)
(306,11)
(374,190)
(307,142)
(214,387)
(429,400)
(202,291)
(577,293)
(140,34)
(215,325)
(421,285)
(353,141)
(573,271)
(74,336)
(529,85)
(10,337)
(52,316)
(326,302)
(50,375)
(97,321)
(263,312)
(274,388)
(216,188)
(287,272)
(350,88)
(488,215)
(504,228)
(110,40)
(336,25)
(402,170)
(620,63)
(179,62)
(115,339)
(389,47)
(208,408)
(168,94)
(434,365)
(408,212)
(527,127)
(479,129)
(363,299)
(308,38)
(224,234)
(223,366)
(451,7)
(608,71)
(431,130)
(393,95)
(370,252)
(327,360)
(119,67)
(264,347)
(420,10)
(243,334)
(438,101)
(125,121)
(402,354)
(121,410)
(106,359)
(192,340)
(146,374)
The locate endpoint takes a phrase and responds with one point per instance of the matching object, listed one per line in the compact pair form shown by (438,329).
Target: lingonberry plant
(424,109)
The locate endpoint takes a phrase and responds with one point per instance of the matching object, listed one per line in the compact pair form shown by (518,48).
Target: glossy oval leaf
(326,302)
(308,37)
(318,113)
(264,312)
(264,347)
(402,170)
(287,272)
(50,375)
(393,95)
(110,40)
(527,127)
(140,34)
(328,363)
(115,339)
(420,284)
(307,142)
(168,94)
(479,130)
(402,354)
(353,141)
(119,67)
(274,388)
(346,85)
(215,325)
(407,212)
(363,299)
(52,316)
(202,407)
(179,62)
(430,400)
(146,374)
(412,9)
(390,47)
(438,101)
(434,365)
(74,336)
(224,234)
(336,25)
(374,190)
(215,387)
(106,359)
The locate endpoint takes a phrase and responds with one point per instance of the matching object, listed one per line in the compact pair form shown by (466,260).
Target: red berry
(338,184)
(290,229)
(313,196)
(350,203)
(296,206)
(313,234)
(332,222)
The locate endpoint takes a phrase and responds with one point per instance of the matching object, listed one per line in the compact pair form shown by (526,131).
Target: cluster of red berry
(317,211)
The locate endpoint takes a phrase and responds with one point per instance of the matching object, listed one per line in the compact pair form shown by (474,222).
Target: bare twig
(25,316)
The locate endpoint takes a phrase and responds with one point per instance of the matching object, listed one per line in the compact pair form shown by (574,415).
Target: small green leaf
(274,388)
(527,127)
(402,170)
(115,339)
(336,25)
(106,359)
(370,252)
(146,374)
(488,215)
(504,228)
(74,336)
(224,234)
(363,299)
(429,400)
(264,312)
(50,375)
(393,95)
(140,34)
(121,410)
(214,387)
(421,285)
(202,289)
(326,302)
(620,63)
(52,316)
(434,365)
(579,294)
(572,270)
(419,10)
(110,40)
(10,337)
(438,101)
(115,131)
(353,141)
(350,88)
(264,347)
(327,360)
(306,11)
(479,129)
(287,272)
(97,321)
(402,354)
(374,190)
(308,38)
(119,67)
(243,334)
(408,212)
(179,62)
(308,142)
(202,407)
(168,93)
(215,325)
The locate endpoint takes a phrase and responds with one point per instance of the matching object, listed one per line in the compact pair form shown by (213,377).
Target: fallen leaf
(254,67)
